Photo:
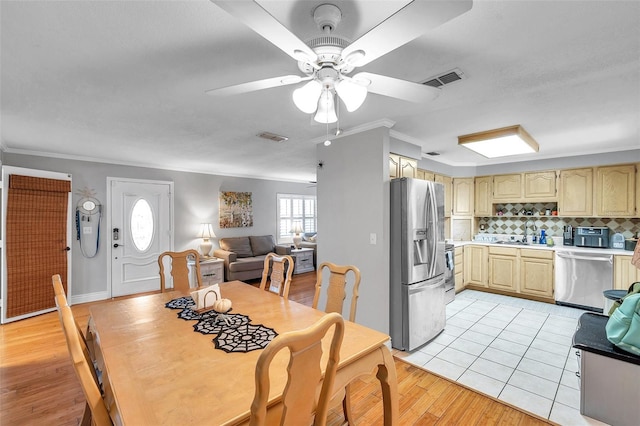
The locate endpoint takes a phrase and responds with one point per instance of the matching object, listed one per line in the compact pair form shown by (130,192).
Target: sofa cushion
(239,245)
(247,264)
(262,245)
(309,236)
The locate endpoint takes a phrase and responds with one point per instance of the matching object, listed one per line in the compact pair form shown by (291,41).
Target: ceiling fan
(327,60)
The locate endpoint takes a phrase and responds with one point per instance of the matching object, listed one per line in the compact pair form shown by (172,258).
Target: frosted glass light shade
(512,140)
(326,109)
(306,97)
(352,94)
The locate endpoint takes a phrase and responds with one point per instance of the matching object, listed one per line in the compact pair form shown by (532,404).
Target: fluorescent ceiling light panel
(512,140)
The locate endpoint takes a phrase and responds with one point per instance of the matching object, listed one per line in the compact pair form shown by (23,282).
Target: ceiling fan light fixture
(503,142)
(326,108)
(306,97)
(351,93)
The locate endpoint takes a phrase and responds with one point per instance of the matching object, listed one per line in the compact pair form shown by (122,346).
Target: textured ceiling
(125,82)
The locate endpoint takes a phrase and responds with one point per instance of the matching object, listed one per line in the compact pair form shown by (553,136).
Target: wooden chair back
(281,268)
(336,290)
(179,269)
(96,410)
(305,373)
(58,290)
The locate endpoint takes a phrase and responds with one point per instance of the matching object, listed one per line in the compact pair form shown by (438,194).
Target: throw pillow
(239,245)
(262,245)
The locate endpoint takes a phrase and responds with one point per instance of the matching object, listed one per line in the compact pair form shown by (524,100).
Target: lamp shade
(512,140)
(306,97)
(351,93)
(326,108)
(296,228)
(206,231)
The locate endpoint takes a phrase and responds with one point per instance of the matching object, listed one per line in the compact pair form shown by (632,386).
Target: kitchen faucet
(524,240)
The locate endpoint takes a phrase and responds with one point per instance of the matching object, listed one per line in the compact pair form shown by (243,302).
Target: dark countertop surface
(592,337)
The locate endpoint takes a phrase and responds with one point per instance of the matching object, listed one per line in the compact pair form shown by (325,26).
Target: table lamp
(206,233)
(296,230)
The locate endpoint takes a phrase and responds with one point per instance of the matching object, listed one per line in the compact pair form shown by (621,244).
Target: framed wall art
(236,210)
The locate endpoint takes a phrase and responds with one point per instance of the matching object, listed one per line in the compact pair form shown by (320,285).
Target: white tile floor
(516,350)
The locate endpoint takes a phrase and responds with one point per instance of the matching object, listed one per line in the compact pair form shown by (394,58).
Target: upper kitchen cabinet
(463,189)
(448,188)
(400,166)
(482,196)
(616,190)
(576,192)
(540,186)
(507,187)
(425,175)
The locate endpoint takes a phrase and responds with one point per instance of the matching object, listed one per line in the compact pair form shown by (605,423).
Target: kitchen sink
(515,243)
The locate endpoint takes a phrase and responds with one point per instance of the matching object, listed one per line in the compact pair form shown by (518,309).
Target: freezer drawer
(422,315)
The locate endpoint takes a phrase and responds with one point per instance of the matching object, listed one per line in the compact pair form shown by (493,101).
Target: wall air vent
(273,137)
(445,78)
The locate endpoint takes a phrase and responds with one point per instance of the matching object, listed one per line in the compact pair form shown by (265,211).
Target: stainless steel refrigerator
(417,270)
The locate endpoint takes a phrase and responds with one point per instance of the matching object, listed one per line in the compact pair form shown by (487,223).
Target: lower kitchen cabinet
(536,272)
(458,256)
(476,265)
(503,269)
(624,273)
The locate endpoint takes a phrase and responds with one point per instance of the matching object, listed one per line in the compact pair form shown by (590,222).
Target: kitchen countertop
(607,251)
(592,337)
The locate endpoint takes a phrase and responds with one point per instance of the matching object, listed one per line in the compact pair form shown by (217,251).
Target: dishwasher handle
(595,258)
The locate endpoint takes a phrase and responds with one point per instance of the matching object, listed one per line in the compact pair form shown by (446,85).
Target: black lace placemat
(235,333)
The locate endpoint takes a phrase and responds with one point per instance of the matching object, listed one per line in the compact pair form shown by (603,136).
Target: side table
(303,260)
(211,271)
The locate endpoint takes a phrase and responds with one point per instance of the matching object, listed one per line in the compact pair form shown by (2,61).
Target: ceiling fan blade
(252,86)
(263,23)
(407,24)
(396,88)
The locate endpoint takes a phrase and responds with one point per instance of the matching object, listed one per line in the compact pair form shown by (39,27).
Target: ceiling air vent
(445,78)
(273,137)
(432,153)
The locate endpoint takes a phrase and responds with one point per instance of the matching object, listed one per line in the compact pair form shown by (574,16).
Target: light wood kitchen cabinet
(540,186)
(458,255)
(576,192)
(463,189)
(476,265)
(507,187)
(615,190)
(400,166)
(536,272)
(424,174)
(482,196)
(448,189)
(503,269)
(624,273)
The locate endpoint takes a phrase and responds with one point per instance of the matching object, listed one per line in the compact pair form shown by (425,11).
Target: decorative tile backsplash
(512,221)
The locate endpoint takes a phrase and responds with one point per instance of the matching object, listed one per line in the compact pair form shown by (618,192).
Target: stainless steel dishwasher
(581,278)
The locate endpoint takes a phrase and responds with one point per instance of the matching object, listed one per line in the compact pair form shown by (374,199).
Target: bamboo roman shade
(35,242)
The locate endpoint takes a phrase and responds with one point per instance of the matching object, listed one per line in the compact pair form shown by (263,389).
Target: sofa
(244,256)
(309,240)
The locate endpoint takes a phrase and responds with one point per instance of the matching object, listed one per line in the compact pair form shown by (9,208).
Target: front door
(141,228)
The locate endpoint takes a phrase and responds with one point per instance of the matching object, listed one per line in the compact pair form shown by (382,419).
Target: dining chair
(336,290)
(304,372)
(95,412)
(61,300)
(336,294)
(179,269)
(277,270)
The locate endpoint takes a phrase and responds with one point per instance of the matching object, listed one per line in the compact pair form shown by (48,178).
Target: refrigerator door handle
(417,288)
(433,225)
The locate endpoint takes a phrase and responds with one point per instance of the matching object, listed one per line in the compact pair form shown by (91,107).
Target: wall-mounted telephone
(88,218)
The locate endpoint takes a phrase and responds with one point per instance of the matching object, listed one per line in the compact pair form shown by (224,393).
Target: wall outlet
(373,238)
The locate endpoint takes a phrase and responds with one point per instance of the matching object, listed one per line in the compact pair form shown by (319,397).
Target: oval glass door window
(142,224)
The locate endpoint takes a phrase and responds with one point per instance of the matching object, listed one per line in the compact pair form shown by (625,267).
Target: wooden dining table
(158,371)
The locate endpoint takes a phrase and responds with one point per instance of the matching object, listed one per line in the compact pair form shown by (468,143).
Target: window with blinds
(295,209)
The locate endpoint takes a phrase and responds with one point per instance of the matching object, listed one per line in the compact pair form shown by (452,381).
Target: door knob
(116,245)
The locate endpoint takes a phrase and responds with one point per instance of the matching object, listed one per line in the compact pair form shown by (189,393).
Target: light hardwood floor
(38,385)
